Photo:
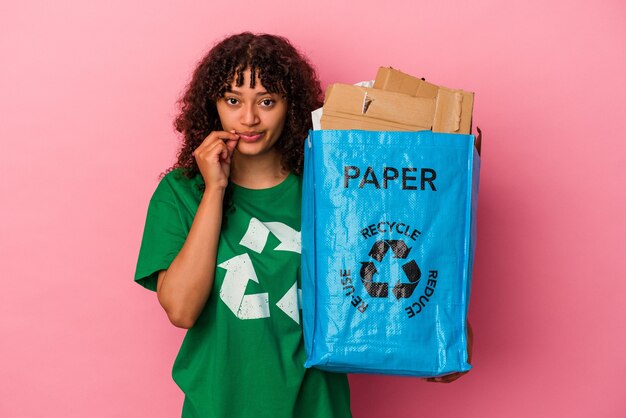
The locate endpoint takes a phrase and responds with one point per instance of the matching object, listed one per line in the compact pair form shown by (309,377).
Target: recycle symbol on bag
(399,250)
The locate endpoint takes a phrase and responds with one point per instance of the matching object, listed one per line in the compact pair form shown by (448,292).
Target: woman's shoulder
(178,182)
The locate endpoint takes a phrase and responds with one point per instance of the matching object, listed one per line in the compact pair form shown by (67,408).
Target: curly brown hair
(281,69)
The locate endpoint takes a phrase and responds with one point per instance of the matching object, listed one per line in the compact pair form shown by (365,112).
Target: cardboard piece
(390,79)
(354,107)
(453,112)
(397,102)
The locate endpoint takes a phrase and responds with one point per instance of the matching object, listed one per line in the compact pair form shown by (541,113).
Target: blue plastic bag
(388,233)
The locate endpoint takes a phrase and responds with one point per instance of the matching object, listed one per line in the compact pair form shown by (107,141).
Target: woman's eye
(231,101)
(267,102)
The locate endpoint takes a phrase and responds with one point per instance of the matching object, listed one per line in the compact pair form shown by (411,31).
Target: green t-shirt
(244,356)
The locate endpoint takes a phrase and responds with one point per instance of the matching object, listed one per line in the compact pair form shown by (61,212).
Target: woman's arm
(185,286)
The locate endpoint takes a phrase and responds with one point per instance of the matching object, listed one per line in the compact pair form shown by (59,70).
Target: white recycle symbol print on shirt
(239,270)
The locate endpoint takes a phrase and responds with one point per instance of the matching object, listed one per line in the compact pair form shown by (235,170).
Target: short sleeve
(163,237)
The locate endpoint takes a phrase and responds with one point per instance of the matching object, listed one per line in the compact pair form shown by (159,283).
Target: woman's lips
(250,136)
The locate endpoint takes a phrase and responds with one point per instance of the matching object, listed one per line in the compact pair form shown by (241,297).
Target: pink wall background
(87,97)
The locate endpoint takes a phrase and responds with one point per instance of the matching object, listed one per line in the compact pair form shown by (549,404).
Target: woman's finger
(215,137)
(446,378)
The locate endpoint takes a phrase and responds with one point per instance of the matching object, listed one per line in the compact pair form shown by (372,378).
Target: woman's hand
(214,156)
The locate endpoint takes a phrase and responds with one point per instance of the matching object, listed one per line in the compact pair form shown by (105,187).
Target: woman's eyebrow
(238,93)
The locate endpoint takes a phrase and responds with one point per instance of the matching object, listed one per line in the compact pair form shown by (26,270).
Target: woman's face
(258,117)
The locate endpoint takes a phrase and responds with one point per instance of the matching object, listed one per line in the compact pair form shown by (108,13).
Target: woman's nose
(250,116)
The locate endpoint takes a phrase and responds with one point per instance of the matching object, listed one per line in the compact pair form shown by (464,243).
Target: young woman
(221,245)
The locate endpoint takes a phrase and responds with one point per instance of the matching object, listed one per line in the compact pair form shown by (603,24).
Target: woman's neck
(258,171)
